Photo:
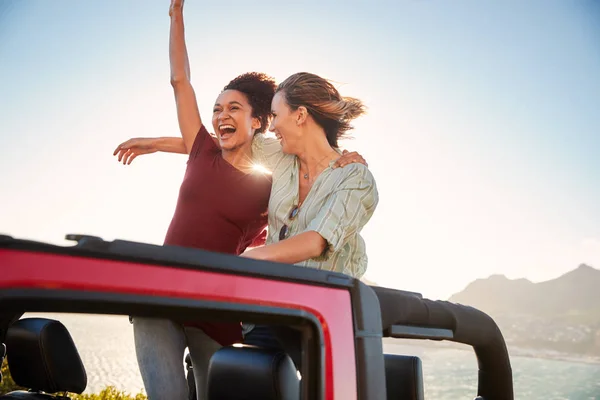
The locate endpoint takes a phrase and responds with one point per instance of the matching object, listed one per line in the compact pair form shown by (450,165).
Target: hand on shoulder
(349,158)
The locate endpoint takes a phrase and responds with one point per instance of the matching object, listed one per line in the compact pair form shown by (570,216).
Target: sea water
(106,347)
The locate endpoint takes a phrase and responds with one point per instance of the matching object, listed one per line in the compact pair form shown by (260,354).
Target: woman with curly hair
(222,207)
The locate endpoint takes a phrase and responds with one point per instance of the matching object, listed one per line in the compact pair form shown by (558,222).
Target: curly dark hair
(259,88)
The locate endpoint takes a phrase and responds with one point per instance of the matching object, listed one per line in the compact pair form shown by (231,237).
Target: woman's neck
(315,155)
(239,157)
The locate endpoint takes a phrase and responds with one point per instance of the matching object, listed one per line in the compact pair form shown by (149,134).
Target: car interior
(44,360)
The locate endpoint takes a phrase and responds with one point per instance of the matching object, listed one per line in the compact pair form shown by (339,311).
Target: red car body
(349,317)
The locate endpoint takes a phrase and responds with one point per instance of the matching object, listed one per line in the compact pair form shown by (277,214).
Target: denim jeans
(160,345)
(276,337)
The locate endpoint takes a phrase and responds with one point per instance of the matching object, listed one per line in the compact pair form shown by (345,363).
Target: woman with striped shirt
(316,212)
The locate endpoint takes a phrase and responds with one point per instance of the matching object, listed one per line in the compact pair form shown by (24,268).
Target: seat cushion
(250,373)
(403,377)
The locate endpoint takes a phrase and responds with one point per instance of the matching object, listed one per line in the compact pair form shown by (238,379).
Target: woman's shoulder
(204,142)
(356,172)
(266,150)
(262,139)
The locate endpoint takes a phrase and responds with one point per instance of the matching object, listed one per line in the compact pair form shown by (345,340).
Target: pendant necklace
(306,175)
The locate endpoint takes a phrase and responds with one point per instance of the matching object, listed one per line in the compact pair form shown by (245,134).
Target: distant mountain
(561,315)
(574,293)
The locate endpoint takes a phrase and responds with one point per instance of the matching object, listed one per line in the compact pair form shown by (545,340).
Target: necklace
(306,175)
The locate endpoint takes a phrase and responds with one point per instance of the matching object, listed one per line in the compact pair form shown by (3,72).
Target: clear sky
(483,129)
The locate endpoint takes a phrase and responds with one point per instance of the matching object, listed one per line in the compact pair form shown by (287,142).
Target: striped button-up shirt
(339,204)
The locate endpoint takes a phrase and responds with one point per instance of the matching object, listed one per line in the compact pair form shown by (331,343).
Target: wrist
(155,143)
(255,253)
(175,12)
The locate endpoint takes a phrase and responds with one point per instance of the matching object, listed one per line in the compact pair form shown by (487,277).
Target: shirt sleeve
(267,151)
(347,210)
(203,141)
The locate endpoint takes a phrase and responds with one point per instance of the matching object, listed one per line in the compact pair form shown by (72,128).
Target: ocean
(105,344)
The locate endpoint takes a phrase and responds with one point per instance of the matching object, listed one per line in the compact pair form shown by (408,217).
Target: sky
(483,131)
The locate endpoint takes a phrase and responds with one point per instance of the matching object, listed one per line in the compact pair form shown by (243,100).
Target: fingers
(349,158)
(125,151)
(124,155)
(359,159)
(343,160)
(343,163)
(123,146)
(121,154)
(119,147)
(133,156)
(128,156)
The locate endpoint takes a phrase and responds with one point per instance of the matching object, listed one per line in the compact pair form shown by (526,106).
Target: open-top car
(342,320)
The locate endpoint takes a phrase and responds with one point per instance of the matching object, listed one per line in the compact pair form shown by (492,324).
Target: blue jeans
(159,346)
(277,337)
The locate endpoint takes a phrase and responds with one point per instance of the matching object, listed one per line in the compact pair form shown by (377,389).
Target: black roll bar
(409,315)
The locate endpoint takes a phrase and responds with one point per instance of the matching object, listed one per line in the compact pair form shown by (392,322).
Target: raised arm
(185,97)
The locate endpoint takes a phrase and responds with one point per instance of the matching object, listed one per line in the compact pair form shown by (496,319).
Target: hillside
(561,314)
(574,293)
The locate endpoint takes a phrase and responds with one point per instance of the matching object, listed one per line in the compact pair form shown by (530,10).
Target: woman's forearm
(298,248)
(170,145)
(188,115)
(178,55)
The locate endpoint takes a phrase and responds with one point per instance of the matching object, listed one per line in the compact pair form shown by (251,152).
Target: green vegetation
(109,393)
(7,384)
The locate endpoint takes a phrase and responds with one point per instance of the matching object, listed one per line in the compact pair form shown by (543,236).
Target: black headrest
(403,377)
(42,356)
(250,373)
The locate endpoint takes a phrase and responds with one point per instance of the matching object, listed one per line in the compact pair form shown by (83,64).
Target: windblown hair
(259,89)
(330,110)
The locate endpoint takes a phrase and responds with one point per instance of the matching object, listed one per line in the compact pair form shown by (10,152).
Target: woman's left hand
(349,158)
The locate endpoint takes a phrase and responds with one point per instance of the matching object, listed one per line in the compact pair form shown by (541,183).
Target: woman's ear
(256,124)
(301,115)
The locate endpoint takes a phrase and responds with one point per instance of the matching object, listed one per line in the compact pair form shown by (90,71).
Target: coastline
(513,351)
(553,355)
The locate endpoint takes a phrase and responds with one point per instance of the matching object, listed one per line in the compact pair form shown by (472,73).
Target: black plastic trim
(418,332)
(183,257)
(368,346)
(180,309)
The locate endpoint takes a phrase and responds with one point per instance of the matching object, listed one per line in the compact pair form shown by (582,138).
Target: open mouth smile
(226,131)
